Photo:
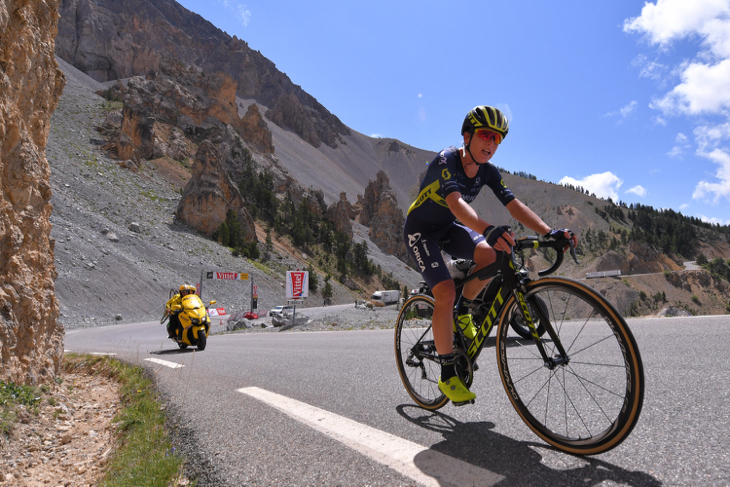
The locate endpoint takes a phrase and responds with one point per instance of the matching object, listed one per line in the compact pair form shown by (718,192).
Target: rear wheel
(415,353)
(588,401)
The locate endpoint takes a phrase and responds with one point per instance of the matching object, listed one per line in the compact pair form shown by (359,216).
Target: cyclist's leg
(424,249)
(466,243)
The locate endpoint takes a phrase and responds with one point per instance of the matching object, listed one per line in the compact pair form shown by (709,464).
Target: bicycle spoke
(572,404)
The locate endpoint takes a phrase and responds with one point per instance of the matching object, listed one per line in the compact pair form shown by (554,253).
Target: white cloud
(376,136)
(239,11)
(704,88)
(649,69)
(676,152)
(604,185)
(669,20)
(638,190)
(704,82)
(244,15)
(682,144)
(714,221)
(715,191)
(625,111)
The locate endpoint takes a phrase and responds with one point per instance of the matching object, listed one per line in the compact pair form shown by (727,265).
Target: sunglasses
(488,135)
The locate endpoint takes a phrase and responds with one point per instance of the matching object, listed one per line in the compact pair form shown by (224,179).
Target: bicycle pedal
(475,366)
(463,403)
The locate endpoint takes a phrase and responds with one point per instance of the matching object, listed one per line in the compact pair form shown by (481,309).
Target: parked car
(279,310)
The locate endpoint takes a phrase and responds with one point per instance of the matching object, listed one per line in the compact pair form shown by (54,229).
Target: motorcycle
(194,321)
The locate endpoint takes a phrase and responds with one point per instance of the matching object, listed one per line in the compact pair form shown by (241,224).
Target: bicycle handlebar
(522,244)
(558,245)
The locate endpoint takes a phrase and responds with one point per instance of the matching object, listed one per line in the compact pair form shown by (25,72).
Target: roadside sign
(227,276)
(297,284)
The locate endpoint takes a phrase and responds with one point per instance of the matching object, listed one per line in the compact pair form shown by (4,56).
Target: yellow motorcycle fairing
(195,316)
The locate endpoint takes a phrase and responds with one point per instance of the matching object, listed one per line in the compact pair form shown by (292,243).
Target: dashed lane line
(431,469)
(172,365)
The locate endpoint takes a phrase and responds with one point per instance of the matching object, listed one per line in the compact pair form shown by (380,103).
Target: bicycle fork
(542,316)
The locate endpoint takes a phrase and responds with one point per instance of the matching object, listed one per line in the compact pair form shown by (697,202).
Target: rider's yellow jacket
(174,305)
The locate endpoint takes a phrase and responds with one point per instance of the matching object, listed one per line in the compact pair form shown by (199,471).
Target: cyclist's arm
(465,213)
(527,217)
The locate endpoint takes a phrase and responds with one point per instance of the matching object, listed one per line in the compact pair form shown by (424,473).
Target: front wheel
(202,339)
(415,353)
(586,401)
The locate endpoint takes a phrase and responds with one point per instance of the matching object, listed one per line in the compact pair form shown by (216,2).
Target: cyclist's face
(482,150)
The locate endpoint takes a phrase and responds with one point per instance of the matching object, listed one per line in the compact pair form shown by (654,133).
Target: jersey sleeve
(496,184)
(447,173)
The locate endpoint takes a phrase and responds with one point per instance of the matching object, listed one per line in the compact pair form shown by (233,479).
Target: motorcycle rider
(174,307)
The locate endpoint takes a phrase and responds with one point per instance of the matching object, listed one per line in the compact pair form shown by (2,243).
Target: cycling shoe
(456,391)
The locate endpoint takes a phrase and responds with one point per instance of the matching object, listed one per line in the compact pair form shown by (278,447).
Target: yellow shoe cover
(455,390)
(466,323)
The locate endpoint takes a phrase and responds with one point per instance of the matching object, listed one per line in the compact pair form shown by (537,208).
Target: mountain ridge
(348,165)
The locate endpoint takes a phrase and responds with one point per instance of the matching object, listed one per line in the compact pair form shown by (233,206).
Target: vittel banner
(297,284)
(228,276)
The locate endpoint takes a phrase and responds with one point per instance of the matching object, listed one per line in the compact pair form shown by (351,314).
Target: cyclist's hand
(500,238)
(561,234)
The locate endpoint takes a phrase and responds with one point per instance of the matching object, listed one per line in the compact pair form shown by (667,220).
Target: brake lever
(572,250)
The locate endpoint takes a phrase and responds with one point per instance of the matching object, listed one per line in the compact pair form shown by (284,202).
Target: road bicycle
(566,357)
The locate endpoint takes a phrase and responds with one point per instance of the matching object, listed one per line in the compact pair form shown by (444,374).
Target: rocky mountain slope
(119,248)
(290,135)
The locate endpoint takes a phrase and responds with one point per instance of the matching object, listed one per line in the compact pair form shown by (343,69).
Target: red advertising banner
(297,284)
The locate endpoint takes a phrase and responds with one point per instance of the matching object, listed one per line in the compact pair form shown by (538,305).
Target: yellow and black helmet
(485,117)
(186,289)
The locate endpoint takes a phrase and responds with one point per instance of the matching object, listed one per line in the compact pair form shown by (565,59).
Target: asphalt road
(328,408)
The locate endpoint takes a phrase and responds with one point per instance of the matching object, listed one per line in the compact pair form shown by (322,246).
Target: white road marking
(172,365)
(433,468)
(104,354)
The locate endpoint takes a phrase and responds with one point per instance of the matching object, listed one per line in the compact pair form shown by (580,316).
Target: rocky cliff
(210,194)
(380,212)
(175,103)
(110,40)
(31,340)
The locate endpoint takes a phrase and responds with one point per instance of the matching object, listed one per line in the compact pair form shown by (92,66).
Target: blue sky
(629,99)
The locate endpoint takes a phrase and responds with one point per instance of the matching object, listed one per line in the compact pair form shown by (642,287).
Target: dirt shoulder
(69,439)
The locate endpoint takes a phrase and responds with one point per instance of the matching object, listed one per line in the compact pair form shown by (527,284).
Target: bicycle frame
(513,281)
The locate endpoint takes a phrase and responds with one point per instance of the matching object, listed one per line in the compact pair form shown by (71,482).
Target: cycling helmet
(485,117)
(186,289)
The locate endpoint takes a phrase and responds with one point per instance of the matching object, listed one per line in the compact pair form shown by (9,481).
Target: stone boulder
(31,339)
(210,193)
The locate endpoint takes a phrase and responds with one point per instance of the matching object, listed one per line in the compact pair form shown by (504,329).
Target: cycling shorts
(425,242)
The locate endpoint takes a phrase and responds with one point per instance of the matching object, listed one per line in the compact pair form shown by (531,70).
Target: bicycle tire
(414,343)
(592,403)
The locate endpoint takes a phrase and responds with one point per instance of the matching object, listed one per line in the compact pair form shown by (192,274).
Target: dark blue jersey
(444,176)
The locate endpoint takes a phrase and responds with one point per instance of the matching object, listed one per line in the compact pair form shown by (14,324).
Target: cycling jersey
(430,223)
(446,175)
